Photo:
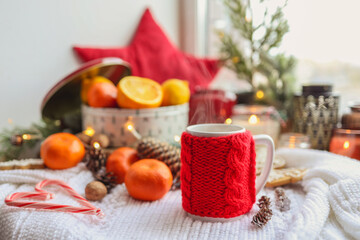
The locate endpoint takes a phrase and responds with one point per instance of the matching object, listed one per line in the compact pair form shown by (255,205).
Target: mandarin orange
(62,150)
(102,95)
(148,180)
(120,161)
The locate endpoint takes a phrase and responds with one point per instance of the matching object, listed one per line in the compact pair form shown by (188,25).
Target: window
(324,36)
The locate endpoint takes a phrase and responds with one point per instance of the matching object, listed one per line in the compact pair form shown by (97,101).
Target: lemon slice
(137,92)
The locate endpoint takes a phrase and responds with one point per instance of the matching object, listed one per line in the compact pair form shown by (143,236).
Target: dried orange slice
(137,92)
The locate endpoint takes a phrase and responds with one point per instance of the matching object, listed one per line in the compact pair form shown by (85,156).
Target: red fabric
(152,55)
(218,175)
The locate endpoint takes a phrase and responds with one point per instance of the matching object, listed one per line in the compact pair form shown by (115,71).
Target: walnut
(95,191)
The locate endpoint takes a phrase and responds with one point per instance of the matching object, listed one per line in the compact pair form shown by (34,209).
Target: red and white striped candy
(40,194)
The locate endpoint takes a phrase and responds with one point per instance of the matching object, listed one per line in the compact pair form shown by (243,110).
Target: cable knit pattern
(218,175)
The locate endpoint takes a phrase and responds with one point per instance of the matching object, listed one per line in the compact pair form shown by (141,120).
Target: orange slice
(137,92)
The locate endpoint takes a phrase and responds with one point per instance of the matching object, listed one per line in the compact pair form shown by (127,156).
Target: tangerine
(138,92)
(148,180)
(86,83)
(119,162)
(62,150)
(102,95)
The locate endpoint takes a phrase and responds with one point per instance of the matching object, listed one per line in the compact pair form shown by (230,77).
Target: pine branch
(8,151)
(247,55)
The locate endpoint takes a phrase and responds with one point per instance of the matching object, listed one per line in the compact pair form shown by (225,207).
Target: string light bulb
(346,144)
(130,127)
(89,131)
(260,94)
(177,138)
(96,145)
(228,121)
(253,119)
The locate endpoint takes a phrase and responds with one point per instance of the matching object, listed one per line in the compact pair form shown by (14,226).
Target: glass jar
(258,119)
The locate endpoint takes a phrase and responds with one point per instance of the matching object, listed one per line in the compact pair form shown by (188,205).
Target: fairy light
(96,145)
(10,121)
(228,121)
(346,144)
(177,138)
(260,94)
(253,119)
(129,126)
(26,136)
(235,59)
(89,131)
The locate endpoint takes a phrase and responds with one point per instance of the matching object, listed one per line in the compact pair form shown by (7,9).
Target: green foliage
(8,151)
(247,49)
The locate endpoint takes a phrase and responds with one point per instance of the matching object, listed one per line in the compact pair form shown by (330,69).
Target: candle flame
(89,131)
(228,121)
(177,138)
(346,144)
(253,119)
(26,136)
(96,145)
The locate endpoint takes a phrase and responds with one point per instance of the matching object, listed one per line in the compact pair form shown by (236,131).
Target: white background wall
(36,39)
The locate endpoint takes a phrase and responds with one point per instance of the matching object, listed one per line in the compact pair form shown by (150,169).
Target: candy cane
(40,194)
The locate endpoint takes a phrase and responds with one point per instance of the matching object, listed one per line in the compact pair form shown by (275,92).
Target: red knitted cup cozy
(218,175)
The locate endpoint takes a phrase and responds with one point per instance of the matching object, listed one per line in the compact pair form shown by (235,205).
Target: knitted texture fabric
(325,205)
(218,175)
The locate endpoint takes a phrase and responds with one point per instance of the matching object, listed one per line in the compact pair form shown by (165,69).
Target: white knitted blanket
(326,205)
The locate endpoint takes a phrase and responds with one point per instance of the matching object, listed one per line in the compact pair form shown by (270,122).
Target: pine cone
(264,202)
(95,159)
(262,217)
(108,179)
(153,148)
(282,201)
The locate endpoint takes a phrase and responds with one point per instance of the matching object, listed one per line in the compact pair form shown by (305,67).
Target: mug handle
(265,140)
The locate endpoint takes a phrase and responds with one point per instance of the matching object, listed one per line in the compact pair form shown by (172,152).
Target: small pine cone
(153,148)
(264,202)
(262,217)
(95,159)
(282,201)
(108,179)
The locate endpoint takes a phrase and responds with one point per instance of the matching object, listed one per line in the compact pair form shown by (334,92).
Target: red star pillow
(152,55)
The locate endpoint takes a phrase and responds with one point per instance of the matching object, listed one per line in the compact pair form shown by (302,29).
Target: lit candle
(257,119)
(346,142)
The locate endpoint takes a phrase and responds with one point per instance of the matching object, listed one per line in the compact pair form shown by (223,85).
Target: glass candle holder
(346,142)
(258,119)
(294,140)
